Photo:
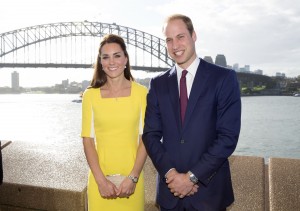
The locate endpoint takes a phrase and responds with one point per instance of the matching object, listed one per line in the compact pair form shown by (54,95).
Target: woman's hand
(107,189)
(127,188)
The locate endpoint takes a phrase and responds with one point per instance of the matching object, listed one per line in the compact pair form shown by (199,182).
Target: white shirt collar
(192,69)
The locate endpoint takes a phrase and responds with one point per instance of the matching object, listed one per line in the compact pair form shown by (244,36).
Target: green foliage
(252,91)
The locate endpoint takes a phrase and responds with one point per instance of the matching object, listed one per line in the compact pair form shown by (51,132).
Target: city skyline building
(235,67)
(65,83)
(208,59)
(15,81)
(221,60)
(258,72)
(279,74)
(247,68)
(85,84)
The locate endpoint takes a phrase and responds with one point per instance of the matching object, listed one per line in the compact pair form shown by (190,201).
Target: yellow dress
(115,124)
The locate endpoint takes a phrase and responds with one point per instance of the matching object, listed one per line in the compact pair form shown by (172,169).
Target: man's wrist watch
(133,179)
(193,178)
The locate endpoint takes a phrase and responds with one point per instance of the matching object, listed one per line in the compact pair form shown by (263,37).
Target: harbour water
(270,124)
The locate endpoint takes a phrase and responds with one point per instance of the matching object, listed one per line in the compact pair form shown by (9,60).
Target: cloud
(263,34)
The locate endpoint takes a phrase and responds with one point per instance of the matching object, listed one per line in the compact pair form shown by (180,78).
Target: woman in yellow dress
(113,110)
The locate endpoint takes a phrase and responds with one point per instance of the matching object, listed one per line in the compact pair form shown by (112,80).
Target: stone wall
(46,177)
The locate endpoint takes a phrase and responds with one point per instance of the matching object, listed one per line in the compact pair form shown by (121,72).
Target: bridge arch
(20,38)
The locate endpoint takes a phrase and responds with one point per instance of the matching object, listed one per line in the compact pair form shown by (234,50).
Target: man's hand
(194,190)
(180,184)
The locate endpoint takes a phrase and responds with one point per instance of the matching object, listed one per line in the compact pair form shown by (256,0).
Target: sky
(264,34)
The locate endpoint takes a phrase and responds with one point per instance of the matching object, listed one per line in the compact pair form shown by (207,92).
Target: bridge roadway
(65,65)
(245,79)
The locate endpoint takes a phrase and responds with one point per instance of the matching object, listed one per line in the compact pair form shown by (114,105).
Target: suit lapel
(199,83)
(174,95)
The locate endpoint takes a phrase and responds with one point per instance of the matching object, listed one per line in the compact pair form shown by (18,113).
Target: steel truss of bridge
(13,41)
(64,65)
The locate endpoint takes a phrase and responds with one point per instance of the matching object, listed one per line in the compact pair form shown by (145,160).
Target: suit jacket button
(182,141)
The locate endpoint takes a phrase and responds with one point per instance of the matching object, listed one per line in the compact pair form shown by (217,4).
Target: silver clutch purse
(116,179)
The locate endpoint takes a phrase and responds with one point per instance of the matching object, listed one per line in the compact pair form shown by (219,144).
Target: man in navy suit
(191,154)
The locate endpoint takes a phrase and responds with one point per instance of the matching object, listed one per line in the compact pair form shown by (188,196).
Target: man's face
(180,43)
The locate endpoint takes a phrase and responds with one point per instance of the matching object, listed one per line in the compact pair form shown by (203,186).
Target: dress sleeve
(87,115)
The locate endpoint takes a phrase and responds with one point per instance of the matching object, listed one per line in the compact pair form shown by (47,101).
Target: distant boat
(297,95)
(78,100)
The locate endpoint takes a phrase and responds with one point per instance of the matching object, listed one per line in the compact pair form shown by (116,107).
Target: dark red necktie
(183,94)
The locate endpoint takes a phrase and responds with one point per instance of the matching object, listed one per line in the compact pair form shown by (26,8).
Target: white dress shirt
(192,69)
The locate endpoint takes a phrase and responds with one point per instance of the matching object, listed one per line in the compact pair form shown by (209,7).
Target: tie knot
(183,74)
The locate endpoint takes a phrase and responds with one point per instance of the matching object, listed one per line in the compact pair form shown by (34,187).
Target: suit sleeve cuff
(168,172)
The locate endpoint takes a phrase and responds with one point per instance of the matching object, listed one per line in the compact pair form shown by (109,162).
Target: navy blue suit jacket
(204,142)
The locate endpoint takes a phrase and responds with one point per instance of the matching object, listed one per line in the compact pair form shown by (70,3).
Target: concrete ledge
(248,178)
(30,197)
(53,176)
(44,176)
(150,186)
(284,184)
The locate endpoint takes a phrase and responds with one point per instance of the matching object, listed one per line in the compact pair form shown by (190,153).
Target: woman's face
(113,60)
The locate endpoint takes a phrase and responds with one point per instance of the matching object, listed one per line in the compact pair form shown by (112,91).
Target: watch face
(193,179)
(133,179)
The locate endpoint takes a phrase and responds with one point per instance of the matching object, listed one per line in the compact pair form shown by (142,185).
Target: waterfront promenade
(39,176)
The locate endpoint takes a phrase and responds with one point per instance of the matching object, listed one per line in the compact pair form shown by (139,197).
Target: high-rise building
(208,59)
(221,60)
(279,74)
(242,69)
(236,67)
(247,68)
(258,72)
(15,81)
(65,83)
(85,84)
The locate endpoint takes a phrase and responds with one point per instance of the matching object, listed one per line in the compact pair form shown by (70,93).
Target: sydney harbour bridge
(75,45)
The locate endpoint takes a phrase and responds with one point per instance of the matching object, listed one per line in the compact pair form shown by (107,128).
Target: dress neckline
(117,98)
